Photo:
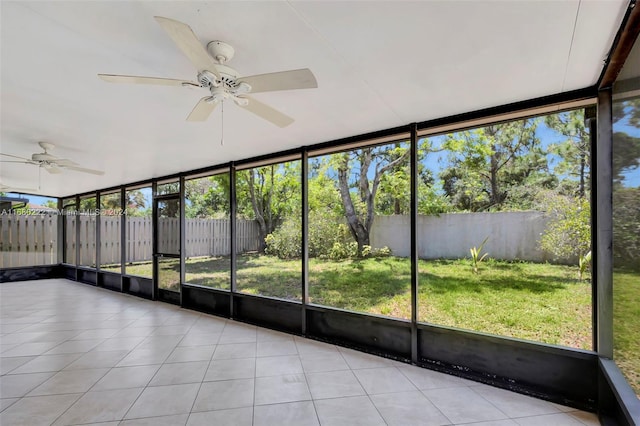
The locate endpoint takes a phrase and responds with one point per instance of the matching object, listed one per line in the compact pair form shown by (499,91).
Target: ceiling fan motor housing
(220,51)
(44,156)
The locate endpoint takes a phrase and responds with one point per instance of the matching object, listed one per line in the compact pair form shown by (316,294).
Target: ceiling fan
(222,81)
(49,162)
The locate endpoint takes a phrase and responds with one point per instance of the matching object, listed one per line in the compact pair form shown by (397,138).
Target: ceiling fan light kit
(222,81)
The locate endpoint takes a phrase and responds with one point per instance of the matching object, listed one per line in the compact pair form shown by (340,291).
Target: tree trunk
(357,229)
(581,190)
(494,198)
(258,211)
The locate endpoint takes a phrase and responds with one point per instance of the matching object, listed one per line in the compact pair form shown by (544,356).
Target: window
(169,187)
(29,230)
(139,232)
(111,214)
(626,225)
(208,231)
(69,224)
(359,230)
(503,229)
(268,230)
(86,220)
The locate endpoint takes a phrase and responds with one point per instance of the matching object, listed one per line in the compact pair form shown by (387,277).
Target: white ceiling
(378,64)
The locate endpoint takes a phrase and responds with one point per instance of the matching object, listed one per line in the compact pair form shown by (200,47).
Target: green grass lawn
(626,325)
(539,302)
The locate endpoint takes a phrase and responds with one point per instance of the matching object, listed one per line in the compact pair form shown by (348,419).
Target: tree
(136,203)
(628,110)
(575,151)
(362,170)
(626,227)
(626,199)
(626,155)
(87,204)
(568,233)
(268,194)
(208,197)
(488,168)
(50,204)
(394,195)
(432,199)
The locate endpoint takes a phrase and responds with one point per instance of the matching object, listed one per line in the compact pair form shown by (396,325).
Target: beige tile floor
(73,354)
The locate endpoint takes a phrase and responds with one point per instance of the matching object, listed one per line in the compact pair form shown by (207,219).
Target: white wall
(512,235)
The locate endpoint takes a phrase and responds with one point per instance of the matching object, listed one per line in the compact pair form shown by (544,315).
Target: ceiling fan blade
(63,162)
(202,110)
(183,36)
(51,168)
(284,80)
(266,112)
(16,161)
(134,79)
(15,156)
(83,170)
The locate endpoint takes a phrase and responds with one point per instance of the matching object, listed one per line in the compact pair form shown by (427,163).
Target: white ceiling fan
(49,162)
(222,81)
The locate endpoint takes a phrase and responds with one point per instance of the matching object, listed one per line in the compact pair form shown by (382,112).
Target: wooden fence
(32,240)
(28,240)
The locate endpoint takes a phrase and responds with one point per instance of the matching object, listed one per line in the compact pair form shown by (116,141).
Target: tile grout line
(255,378)
(306,381)
(422,393)
(205,371)
(494,405)
(368,395)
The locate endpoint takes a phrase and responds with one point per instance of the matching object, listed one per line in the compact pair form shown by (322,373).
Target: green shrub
(568,233)
(285,242)
(381,252)
(344,251)
(325,230)
(350,251)
(328,238)
(626,228)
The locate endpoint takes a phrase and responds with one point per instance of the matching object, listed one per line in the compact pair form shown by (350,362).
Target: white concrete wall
(512,235)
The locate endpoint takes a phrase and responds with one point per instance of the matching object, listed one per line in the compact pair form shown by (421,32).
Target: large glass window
(29,230)
(504,230)
(626,222)
(69,223)
(359,230)
(111,213)
(86,220)
(139,231)
(169,187)
(208,231)
(268,230)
